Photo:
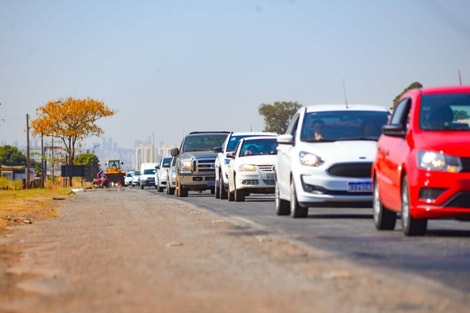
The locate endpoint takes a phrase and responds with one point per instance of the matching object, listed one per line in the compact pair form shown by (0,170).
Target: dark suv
(195,160)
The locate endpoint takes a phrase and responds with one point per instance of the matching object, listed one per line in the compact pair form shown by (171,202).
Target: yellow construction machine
(114,172)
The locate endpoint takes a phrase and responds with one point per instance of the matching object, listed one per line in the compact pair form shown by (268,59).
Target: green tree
(411,86)
(278,115)
(11,156)
(91,163)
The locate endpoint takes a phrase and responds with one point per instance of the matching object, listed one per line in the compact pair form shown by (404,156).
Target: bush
(6,184)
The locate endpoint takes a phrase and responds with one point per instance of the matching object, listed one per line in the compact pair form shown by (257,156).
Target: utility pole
(43,162)
(53,162)
(460,78)
(28,161)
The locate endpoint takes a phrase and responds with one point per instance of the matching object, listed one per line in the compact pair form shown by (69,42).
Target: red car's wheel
(384,219)
(411,226)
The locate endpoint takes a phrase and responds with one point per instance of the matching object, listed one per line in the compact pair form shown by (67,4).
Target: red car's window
(445,112)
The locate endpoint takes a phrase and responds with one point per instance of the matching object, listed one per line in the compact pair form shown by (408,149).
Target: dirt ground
(120,250)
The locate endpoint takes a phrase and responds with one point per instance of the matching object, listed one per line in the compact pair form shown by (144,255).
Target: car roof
(251,133)
(258,138)
(209,132)
(342,107)
(444,89)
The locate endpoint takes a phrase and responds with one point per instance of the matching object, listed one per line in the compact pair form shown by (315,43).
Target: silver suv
(195,160)
(222,162)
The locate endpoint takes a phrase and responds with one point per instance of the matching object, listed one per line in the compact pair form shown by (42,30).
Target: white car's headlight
(309,159)
(247,168)
(438,161)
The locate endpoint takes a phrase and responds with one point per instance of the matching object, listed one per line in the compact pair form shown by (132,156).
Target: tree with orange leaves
(70,120)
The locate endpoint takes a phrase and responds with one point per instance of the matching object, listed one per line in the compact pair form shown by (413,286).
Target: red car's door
(392,151)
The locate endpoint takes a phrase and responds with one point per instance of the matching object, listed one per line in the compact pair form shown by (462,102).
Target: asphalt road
(443,254)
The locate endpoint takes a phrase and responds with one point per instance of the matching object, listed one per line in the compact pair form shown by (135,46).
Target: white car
(329,166)
(161,173)
(221,162)
(128,178)
(251,168)
(171,184)
(136,178)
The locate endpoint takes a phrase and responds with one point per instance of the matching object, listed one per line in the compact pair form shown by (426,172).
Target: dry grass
(27,206)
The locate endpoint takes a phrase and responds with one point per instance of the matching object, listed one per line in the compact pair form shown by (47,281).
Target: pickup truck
(195,160)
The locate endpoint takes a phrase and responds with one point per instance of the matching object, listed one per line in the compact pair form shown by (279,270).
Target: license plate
(359,187)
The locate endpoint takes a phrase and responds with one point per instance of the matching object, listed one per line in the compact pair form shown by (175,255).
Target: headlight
(247,168)
(438,161)
(309,159)
(186,165)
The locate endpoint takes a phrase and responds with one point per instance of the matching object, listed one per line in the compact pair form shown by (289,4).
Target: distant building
(164,150)
(144,153)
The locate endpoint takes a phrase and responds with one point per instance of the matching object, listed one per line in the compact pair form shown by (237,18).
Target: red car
(422,165)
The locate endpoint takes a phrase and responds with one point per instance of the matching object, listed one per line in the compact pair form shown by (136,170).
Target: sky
(168,67)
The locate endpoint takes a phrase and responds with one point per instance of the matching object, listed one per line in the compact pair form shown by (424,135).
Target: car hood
(199,154)
(451,142)
(343,151)
(261,159)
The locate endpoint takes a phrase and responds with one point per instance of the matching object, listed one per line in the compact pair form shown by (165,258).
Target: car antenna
(345,96)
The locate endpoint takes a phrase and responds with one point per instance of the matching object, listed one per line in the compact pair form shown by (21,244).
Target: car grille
(266,167)
(358,169)
(204,165)
(269,182)
(465,164)
(461,200)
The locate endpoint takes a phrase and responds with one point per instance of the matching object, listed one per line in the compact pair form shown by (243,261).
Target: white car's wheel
(384,219)
(217,188)
(222,191)
(170,190)
(411,226)
(238,193)
(282,206)
(296,210)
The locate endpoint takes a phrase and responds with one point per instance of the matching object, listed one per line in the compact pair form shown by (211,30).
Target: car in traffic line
(147,174)
(171,183)
(128,178)
(422,166)
(195,161)
(251,167)
(325,157)
(161,173)
(221,162)
(136,178)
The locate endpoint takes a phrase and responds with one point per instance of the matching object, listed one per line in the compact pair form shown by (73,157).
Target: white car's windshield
(343,125)
(259,147)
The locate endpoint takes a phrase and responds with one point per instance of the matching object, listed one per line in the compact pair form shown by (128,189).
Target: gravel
(125,250)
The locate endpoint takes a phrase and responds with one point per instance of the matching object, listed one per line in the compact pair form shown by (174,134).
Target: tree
(11,156)
(411,86)
(71,121)
(278,115)
(91,162)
